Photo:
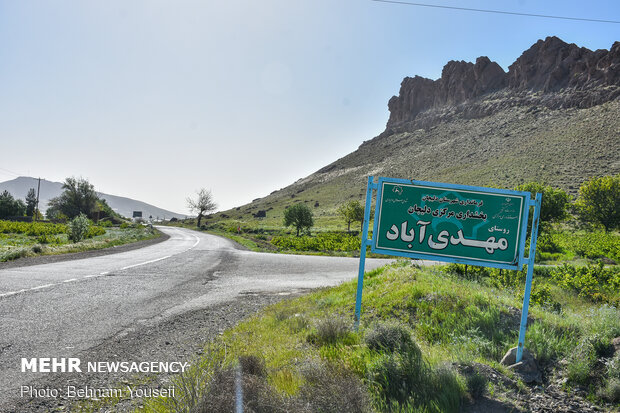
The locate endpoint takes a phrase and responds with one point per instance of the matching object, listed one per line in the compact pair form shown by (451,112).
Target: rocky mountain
(554,117)
(550,65)
(19,187)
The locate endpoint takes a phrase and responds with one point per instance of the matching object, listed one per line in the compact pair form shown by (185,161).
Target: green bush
(476,385)
(78,228)
(94,230)
(599,201)
(32,228)
(593,245)
(388,336)
(553,206)
(330,331)
(594,281)
(330,241)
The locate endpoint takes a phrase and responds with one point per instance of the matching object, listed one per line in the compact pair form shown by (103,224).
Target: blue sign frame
(520,261)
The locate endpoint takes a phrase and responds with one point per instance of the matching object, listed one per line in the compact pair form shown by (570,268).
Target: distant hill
(18,187)
(553,117)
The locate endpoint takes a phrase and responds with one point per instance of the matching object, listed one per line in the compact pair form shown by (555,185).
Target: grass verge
(419,327)
(14,246)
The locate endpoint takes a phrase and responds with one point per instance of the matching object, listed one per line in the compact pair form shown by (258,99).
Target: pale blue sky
(155,99)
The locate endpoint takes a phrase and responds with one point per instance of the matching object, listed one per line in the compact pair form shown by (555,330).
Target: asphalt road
(68,308)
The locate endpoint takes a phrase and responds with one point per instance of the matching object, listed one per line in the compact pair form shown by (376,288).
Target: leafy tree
(299,216)
(352,211)
(11,207)
(599,201)
(554,203)
(203,204)
(31,202)
(79,197)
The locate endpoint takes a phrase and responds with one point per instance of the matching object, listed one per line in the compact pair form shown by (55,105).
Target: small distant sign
(449,223)
(137,214)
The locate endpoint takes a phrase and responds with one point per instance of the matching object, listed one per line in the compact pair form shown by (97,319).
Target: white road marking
(11,293)
(40,287)
(146,262)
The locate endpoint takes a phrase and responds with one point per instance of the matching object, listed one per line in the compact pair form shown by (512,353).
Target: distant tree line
(78,198)
(597,203)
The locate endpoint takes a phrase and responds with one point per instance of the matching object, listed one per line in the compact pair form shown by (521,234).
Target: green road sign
(452,223)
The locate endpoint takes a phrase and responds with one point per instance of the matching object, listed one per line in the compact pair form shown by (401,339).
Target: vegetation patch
(428,338)
(27,239)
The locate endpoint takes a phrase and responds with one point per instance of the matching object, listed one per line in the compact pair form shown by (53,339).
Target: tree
(31,202)
(79,197)
(554,203)
(599,201)
(11,207)
(202,205)
(352,211)
(299,216)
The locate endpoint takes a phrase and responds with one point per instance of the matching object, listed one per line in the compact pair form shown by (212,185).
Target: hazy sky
(155,99)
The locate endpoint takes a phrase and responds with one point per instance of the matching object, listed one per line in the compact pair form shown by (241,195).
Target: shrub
(32,228)
(591,281)
(611,392)
(329,331)
(93,231)
(330,241)
(78,228)
(331,389)
(613,367)
(583,358)
(405,381)
(388,336)
(553,206)
(476,385)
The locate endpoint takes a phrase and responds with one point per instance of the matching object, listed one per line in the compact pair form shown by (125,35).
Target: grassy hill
(512,145)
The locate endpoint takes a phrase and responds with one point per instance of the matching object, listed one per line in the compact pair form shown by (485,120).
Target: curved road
(66,308)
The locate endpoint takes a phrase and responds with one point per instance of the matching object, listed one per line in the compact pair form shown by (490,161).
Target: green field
(27,239)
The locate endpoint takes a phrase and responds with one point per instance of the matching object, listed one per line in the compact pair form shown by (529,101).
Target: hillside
(18,187)
(553,117)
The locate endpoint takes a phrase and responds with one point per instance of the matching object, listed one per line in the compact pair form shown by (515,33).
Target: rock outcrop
(565,74)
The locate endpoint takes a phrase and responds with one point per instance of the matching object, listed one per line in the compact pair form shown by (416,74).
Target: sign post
(451,223)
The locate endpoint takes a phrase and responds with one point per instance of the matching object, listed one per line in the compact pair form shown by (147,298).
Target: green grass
(21,239)
(448,318)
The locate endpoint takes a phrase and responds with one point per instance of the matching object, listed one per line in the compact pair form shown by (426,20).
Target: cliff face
(549,66)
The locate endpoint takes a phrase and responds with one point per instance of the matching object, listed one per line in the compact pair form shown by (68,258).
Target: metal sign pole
(528,280)
(364,243)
